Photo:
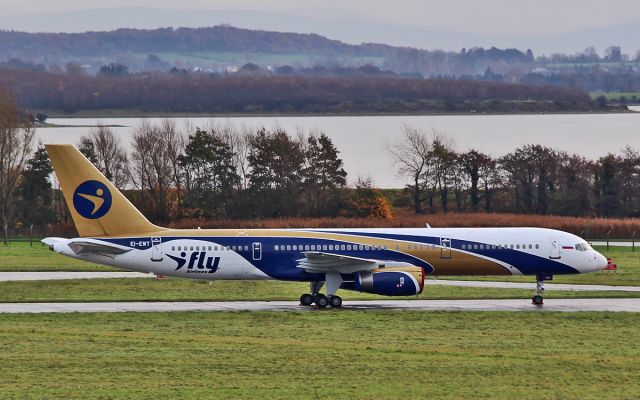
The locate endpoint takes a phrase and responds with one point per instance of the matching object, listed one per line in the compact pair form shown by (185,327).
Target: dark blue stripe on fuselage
(279,264)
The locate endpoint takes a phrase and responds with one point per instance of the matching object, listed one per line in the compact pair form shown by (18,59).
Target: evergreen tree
(323,176)
(36,191)
(210,175)
(275,177)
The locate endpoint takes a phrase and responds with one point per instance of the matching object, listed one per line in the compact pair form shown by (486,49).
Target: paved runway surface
(630,305)
(38,276)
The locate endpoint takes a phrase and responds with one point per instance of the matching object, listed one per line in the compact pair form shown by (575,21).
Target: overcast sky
(466,17)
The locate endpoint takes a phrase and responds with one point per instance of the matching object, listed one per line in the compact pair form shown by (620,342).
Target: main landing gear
(320,300)
(538,300)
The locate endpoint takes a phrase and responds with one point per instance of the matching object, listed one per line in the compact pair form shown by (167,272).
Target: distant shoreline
(125,114)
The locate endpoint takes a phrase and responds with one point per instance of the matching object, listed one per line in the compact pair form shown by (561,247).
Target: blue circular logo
(92,199)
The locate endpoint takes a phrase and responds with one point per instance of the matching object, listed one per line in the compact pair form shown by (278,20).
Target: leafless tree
(411,157)
(154,163)
(175,142)
(111,157)
(16,142)
(239,139)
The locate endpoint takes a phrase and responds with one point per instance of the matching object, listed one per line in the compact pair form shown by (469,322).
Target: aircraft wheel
(321,300)
(537,300)
(306,299)
(335,301)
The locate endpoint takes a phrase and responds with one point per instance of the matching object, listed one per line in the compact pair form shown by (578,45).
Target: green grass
(615,95)
(20,256)
(174,289)
(313,355)
(206,58)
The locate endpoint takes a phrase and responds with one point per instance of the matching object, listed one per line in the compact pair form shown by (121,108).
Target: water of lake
(362,141)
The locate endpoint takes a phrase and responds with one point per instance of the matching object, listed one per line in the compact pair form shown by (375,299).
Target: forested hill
(224,46)
(217,38)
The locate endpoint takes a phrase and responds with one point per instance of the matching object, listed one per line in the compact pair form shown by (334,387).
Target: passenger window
(313,247)
(191,248)
(324,247)
(173,248)
(343,247)
(517,246)
(537,246)
(276,247)
(511,246)
(531,246)
(288,247)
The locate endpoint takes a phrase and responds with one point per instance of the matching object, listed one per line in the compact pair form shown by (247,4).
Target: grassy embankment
(346,354)
(22,257)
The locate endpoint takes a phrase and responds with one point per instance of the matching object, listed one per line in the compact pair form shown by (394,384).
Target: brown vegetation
(586,227)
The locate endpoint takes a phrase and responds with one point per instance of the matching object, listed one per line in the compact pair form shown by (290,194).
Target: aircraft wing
(319,262)
(97,247)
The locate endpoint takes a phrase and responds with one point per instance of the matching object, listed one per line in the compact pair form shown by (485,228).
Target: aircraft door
(554,250)
(257,251)
(156,249)
(445,251)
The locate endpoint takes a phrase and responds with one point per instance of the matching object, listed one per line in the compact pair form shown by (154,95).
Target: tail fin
(97,207)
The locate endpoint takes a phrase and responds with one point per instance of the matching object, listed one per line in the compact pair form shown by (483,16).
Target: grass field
(370,355)
(615,96)
(19,256)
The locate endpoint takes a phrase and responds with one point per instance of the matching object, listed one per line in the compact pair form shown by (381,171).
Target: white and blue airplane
(390,262)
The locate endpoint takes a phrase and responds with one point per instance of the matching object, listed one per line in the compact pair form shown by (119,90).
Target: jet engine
(391,281)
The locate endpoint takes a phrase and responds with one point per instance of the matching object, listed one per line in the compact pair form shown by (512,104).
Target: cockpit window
(583,246)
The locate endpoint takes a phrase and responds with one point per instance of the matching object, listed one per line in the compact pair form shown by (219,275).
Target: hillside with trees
(220,47)
(283,94)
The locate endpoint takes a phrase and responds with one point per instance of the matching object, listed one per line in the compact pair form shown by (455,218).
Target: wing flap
(319,262)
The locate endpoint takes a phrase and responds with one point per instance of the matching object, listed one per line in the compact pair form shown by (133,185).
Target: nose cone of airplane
(601,261)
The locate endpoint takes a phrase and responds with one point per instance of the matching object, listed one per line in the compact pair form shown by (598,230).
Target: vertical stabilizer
(97,207)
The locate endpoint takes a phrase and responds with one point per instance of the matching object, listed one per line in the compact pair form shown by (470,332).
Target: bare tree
(175,143)
(239,140)
(155,150)
(16,140)
(411,157)
(110,157)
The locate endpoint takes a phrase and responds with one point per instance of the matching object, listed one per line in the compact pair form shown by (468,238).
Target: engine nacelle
(391,281)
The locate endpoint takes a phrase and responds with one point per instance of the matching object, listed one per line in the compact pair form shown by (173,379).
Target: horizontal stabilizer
(81,247)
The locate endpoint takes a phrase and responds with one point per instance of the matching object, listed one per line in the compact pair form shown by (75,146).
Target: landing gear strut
(315,296)
(538,300)
(333,283)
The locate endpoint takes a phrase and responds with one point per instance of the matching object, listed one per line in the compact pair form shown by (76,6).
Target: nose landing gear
(538,300)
